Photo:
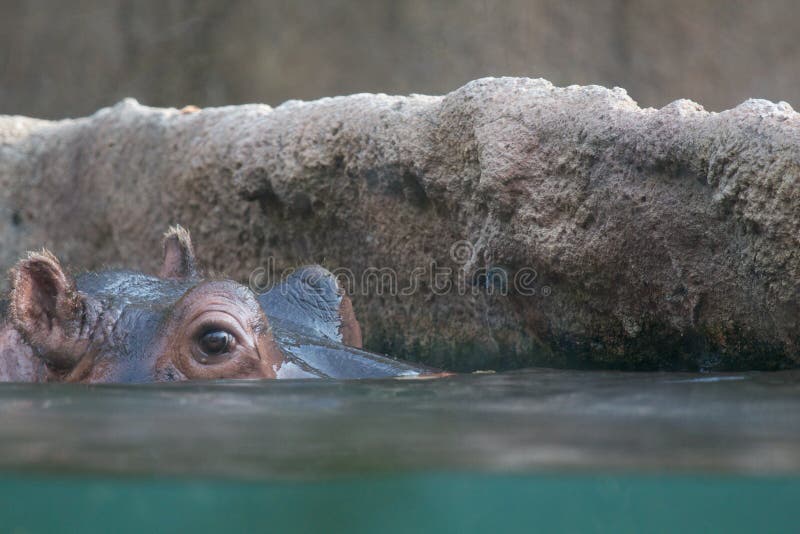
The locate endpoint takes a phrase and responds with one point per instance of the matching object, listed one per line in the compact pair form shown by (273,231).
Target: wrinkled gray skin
(124,317)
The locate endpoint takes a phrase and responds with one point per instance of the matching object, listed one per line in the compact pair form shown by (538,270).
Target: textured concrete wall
(658,238)
(61,59)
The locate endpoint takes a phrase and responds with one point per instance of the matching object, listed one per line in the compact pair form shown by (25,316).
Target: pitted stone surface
(649,238)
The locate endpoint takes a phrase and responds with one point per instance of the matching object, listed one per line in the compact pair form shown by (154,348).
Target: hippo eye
(214,343)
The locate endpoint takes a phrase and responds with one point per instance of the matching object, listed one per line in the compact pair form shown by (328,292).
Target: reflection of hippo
(124,326)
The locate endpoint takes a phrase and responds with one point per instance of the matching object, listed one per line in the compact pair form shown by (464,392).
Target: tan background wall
(61,59)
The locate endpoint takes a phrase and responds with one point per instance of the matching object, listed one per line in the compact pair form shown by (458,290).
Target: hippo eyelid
(214,327)
(216,320)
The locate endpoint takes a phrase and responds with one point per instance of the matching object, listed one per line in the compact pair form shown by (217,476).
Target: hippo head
(124,326)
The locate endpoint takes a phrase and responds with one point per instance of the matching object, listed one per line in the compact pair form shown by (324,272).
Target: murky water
(593,437)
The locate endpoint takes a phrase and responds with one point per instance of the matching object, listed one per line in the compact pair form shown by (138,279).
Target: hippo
(123,326)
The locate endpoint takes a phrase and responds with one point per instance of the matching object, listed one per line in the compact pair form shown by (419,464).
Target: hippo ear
(349,327)
(48,310)
(179,262)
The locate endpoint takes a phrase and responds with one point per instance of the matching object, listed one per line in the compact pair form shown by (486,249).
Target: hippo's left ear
(49,311)
(179,262)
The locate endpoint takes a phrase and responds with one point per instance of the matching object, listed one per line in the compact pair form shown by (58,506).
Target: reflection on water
(522,422)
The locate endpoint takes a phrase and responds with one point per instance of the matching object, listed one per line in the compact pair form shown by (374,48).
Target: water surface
(565,450)
(527,421)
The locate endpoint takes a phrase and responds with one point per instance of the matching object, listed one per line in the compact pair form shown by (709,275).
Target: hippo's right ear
(179,262)
(49,311)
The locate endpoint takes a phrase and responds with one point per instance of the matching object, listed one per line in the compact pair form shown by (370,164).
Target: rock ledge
(573,227)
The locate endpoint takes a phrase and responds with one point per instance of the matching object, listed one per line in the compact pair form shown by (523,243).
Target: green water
(406,503)
(533,451)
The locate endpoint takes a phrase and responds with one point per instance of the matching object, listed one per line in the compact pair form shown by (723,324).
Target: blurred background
(69,58)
